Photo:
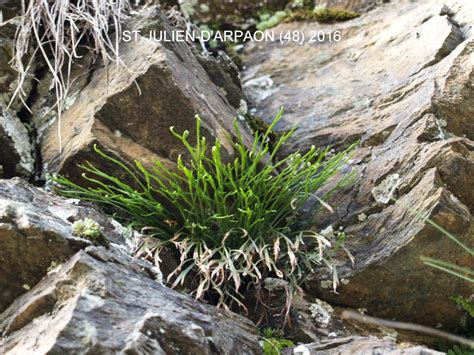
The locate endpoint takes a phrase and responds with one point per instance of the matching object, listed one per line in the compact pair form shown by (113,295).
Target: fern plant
(232,223)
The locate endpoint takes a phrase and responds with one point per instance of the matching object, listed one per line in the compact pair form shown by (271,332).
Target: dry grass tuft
(60,33)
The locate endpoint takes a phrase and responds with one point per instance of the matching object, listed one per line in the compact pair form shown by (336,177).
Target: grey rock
(17,148)
(400,80)
(36,236)
(129,109)
(101,302)
(356,345)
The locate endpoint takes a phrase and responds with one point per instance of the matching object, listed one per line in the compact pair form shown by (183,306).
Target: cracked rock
(156,86)
(400,81)
(100,302)
(36,235)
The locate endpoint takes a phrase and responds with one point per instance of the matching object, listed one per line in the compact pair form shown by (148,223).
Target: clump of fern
(232,223)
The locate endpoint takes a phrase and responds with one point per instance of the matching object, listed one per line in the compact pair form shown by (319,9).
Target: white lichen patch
(86,228)
(258,89)
(383,193)
(327,232)
(301,350)
(321,312)
(388,332)
(91,302)
(274,284)
(325,284)
(53,267)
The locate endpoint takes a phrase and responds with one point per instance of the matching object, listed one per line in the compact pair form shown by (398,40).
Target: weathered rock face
(10,8)
(35,234)
(224,74)
(17,151)
(103,302)
(361,345)
(159,85)
(401,81)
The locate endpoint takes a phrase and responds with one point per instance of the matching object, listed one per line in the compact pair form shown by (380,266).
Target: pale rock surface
(357,345)
(105,302)
(16,147)
(36,235)
(401,81)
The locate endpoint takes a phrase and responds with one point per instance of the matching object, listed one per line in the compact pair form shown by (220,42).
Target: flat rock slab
(362,345)
(401,81)
(101,302)
(36,235)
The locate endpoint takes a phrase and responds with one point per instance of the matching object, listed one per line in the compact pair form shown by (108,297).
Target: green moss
(268,21)
(322,14)
(89,229)
(258,125)
(273,341)
(234,54)
(455,349)
(466,304)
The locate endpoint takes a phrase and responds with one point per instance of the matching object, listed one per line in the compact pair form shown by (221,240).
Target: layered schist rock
(36,235)
(103,301)
(354,5)
(17,148)
(128,108)
(58,298)
(401,81)
(360,345)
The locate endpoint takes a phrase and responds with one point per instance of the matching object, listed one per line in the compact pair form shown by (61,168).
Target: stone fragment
(101,301)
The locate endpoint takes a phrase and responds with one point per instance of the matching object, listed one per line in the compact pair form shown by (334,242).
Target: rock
(353,5)
(225,75)
(35,235)
(17,148)
(309,319)
(101,302)
(360,345)
(9,8)
(401,81)
(229,13)
(158,85)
